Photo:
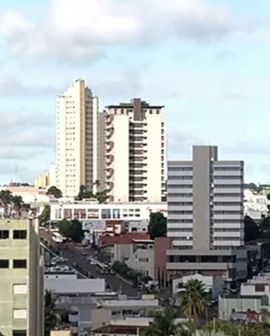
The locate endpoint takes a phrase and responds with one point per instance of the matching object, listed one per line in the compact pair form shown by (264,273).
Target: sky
(206,61)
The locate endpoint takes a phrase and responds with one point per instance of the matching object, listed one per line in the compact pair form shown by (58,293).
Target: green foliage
(71,229)
(125,271)
(45,215)
(164,324)
(265,228)
(50,315)
(84,193)
(194,300)
(57,193)
(157,226)
(251,229)
(10,202)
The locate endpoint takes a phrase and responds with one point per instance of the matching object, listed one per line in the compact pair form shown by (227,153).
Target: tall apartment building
(206,215)
(77,137)
(135,152)
(21,279)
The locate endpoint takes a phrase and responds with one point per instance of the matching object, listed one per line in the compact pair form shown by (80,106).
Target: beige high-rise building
(21,279)
(77,137)
(135,153)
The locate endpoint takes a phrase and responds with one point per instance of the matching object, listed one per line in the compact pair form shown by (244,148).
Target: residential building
(42,181)
(254,296)
(135,152)
(76,139)
(255,205)
(124,327)
(139,252)
(122,308)
(206,216)
(21,278)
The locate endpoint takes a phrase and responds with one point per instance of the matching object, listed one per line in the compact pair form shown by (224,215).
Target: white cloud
(77,29)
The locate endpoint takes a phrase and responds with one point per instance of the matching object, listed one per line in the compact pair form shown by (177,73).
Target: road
(73,252)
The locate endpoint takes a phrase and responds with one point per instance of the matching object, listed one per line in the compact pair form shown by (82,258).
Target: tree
(45,215)
(194,300)
(100,196)
(54,191)
(17,202)
(71,229)
(5,200)
(50,314)
(158,225)
(164,324)
(251,229)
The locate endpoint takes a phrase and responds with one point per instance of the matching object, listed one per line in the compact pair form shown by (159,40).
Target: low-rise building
(87,211)
(139,252)
(122,308)
(254,296)
(255,204)
(127,327)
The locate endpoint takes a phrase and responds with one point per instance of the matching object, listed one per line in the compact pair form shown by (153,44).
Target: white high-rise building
(206,215)
(135,153)
(77,139)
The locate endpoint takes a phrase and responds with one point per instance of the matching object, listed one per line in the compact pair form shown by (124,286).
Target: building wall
(21,292)
(135,131)
(142,258)
(77,139)
(228,305)
(205,201)
(117,211)
(162,244)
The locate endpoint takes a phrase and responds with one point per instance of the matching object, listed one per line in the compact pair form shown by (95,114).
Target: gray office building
(206,216)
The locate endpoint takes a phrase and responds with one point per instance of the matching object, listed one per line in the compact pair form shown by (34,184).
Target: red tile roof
(125,238)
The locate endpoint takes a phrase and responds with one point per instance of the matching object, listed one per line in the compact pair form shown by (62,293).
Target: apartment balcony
(109,132)
(109,186)
(109,146)
(109,173)
(109,159)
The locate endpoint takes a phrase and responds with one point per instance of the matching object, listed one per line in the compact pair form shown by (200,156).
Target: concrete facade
(21,278)
(135,131)
(76,139)
(206,216)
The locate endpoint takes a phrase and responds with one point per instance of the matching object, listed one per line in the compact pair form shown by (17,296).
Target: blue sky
(207,61)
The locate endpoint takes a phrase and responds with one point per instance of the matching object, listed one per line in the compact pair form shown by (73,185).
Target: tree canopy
(84,193)
(158,225)
(45,215)
(54,191)
(71,229)
(251,229)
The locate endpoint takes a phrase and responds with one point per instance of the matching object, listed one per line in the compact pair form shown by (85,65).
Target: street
(73,252)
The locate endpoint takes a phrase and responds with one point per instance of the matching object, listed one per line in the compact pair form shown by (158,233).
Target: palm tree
(17,203)
(164,324)
(194,300)
(50,315)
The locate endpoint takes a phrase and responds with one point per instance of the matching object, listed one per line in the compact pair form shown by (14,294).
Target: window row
(17,234)
(17,263)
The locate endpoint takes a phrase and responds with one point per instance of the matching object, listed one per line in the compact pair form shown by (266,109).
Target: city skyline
(214,65)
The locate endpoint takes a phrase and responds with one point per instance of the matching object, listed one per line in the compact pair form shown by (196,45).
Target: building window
(19,289)
(4,234)
(19,263)
(4,263)
(19,234)
(19,314)
(19,333)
